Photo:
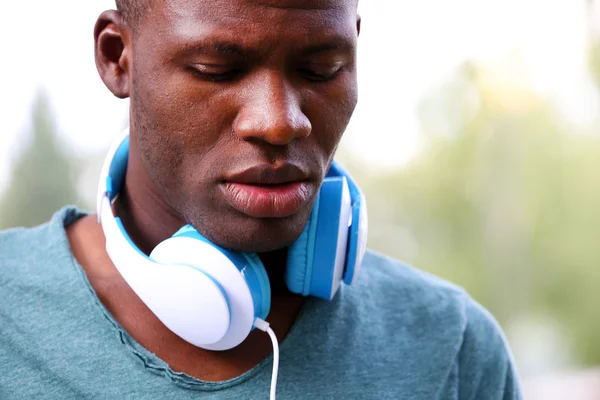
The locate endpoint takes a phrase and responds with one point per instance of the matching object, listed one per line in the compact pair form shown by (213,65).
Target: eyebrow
(337,44)
(226,48)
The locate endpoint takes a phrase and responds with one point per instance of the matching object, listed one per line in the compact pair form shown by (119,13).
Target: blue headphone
(210,296)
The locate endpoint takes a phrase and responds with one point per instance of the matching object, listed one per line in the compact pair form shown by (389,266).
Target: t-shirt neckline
(149,360)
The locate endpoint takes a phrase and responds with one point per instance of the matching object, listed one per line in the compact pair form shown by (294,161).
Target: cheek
(165,101)
(170,105)
(330,110)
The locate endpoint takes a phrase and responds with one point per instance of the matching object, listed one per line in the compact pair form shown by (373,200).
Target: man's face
(237,107)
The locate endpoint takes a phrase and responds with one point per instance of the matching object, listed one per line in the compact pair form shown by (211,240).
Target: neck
(149,220)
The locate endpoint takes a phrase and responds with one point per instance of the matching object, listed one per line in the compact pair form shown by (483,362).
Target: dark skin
(217,87)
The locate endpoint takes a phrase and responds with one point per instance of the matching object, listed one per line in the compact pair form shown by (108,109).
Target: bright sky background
(406,48)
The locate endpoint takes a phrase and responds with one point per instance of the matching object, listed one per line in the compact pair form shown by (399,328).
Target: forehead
(251,20)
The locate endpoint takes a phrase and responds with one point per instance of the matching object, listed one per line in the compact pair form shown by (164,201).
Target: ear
(112,50)
(358,24)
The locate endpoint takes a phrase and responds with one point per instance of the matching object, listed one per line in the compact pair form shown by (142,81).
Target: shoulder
(409,294)
(391,284)
(460,340)
(27,252)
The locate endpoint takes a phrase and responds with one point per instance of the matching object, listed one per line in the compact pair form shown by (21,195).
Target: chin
(253,235)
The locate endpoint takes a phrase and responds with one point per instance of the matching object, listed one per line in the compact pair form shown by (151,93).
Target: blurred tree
(42,177)
(503,200)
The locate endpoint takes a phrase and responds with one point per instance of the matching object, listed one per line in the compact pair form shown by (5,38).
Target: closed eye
(320,74)
(215,73)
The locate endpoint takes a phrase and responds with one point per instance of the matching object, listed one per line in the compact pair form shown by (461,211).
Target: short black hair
(133,11)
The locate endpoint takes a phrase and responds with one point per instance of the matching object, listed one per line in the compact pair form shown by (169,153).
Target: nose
(272,113)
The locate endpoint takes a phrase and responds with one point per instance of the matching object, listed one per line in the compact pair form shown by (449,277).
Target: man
(237,108)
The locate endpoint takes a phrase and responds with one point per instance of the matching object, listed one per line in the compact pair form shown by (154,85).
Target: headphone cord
(264,326)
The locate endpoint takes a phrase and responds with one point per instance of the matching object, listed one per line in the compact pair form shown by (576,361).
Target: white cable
(264,326)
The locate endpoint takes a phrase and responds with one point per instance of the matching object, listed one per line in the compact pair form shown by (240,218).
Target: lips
(264,191)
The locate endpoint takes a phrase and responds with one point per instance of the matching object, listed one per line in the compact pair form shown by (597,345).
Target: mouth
(263,191)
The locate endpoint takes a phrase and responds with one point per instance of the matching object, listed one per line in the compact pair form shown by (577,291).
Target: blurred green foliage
(43,175)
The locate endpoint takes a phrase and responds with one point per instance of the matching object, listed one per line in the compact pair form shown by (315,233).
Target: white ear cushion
(167,288)
(363,226)
(198,254)
(178,295)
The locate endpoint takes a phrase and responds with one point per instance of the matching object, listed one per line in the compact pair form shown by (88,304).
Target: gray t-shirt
(397,334)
